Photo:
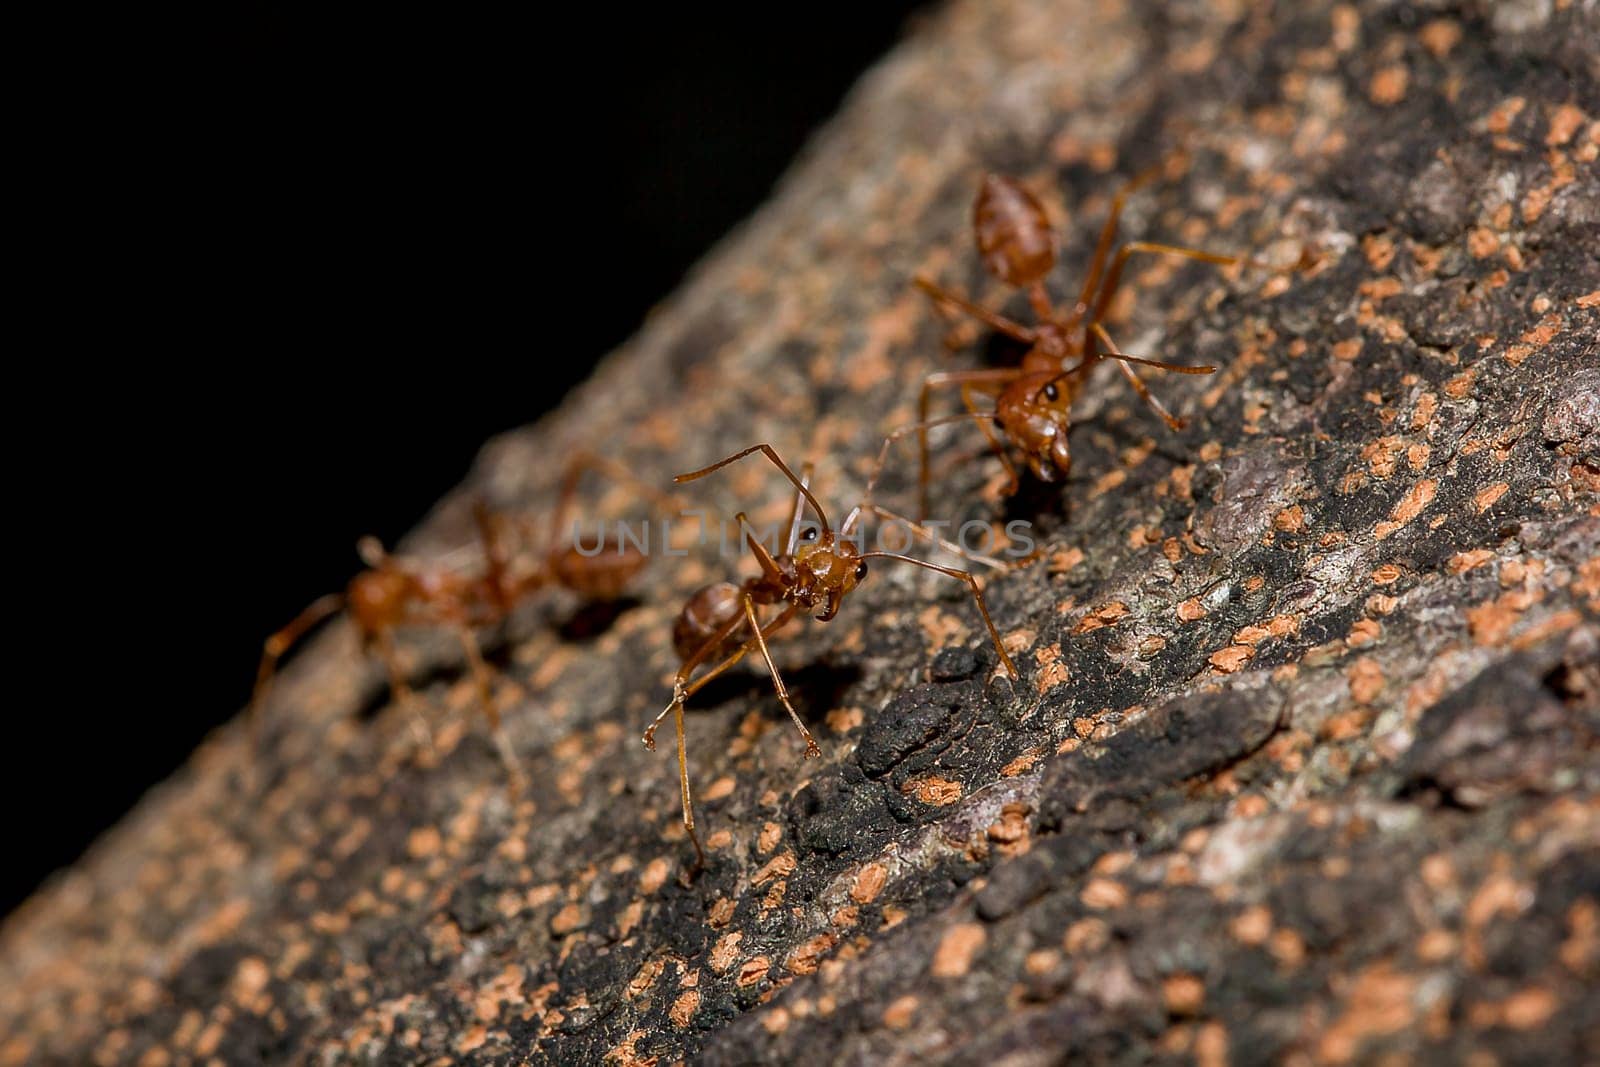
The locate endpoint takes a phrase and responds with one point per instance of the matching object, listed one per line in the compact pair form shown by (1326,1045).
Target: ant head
(1036,412)
(1014,235)
(826,568)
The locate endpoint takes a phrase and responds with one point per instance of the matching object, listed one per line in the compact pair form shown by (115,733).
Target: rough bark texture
(1303,764)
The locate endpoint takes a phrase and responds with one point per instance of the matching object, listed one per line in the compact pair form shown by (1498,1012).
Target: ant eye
(808,533)
(861,571)
(1051,393)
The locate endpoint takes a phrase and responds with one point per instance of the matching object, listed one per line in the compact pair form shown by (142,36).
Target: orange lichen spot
(645,978)
(808,957)
(1408,507)
(1184,994)
(1102,616)
(1291,519)
(1383,455)
(843,720)
(684,1007)
(725,951)
(1052,672)
(1108,481)
(721,911)
(1253,925)
(1462,562)
(567,920)
(1086,936)
(1366,680)
(869,882)
(1380,1001)
(1459,386)
(1363,632)
(1104,894)
(1066,559)
(753,970)
(768,839)
(780,866)
(1011,827)
(901,1014)
(1021,765)
(1485,498)
(1347,350)
(1490,623)
(423,842)
(1191,610)
(1232,658)
(1482,242)
(1565,121)
(957,949)
(1440,36)
(719,789)
(1287,947)
(934,791)
(1388,86)
(654,875)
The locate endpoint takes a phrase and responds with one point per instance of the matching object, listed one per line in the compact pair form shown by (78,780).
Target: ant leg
(777,679)
(680,692)
(274,648)
(1108,233)
(988,379)
(932,538)
(401,689)
(883,457)
(1113,278)
(977,597)
(773,625)
(683,785)
(767,450)
(1173,422)
(991,319)
(618,472)
(1012,481)
(485,679)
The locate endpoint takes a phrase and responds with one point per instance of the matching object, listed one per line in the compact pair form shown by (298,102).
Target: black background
(352,248)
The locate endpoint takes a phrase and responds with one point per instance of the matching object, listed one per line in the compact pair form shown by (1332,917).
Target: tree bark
(1302,765)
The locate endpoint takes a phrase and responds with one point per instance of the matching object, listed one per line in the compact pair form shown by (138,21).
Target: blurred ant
(393,593)
(1033,402)
(815,572)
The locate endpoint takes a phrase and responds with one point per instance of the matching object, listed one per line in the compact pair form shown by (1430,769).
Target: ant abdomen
(1014,235)
(707,613)
(598,576)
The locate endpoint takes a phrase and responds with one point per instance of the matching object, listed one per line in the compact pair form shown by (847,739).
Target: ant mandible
(815,572)
(393,593)
(1033,402)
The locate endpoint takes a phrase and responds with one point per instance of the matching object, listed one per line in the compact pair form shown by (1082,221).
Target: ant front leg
(992,319)
(777,679)
(973,380)
(1174,423)
(401,689)
(977,598)
(483,677)
(1113,278)
(279,643)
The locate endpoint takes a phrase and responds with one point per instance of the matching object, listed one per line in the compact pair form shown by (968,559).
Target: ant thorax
(1053,344)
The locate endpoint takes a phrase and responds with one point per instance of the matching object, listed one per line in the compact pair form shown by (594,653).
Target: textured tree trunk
(1302,765)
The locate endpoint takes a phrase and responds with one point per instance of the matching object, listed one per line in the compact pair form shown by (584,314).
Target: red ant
(393,593)
(815,572)
(1033,402)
